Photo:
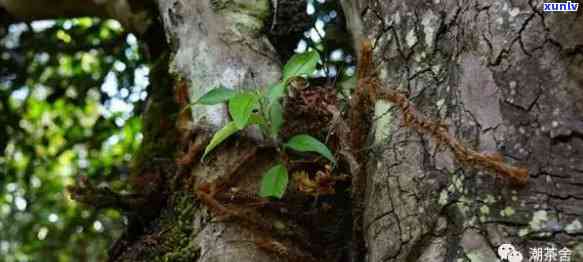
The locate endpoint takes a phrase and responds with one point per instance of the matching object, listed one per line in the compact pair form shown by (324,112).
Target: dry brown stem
(412,118)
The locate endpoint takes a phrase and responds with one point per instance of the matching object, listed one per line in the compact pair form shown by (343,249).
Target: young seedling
(265,110)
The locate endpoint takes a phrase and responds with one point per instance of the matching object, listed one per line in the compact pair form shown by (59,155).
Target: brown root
(414,119)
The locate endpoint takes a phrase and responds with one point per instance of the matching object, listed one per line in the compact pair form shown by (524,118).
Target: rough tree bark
(503,75)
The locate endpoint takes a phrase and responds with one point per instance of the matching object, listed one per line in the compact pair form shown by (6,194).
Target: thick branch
(134,19)
(49,9)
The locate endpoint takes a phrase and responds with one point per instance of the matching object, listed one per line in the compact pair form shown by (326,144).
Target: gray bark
(506,77)
(221,43)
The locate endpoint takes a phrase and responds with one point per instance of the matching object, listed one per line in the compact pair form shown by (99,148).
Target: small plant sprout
(265,110)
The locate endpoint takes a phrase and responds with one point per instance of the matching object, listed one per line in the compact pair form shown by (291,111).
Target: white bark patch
(538,219)
(219,49)
(232,76)
(411,38)
(514,12)
(574,227)
(397,18)
(430,23)
(383,123)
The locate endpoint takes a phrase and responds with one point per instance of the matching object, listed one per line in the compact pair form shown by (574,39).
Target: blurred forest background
(71,92)
(71,95)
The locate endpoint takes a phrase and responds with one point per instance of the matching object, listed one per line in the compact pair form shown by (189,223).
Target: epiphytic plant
(265,110)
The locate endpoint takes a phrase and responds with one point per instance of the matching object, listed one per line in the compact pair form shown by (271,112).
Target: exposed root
(194,150)
(413,119)
(229,203)
(342,131)
(245,217)
(322,184)
(280,249)
(360,121)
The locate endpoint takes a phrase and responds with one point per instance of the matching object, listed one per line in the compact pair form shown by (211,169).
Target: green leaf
(274,182)
(276,116)
(275,92)
(241,106)
(216,96)
(301,64)
(220,136)
(256,119)
(306,143)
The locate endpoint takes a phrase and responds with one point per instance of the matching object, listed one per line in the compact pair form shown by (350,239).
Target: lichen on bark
(219,43)
(497,73)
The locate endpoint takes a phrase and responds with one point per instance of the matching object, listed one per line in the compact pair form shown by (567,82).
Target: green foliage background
(70,93)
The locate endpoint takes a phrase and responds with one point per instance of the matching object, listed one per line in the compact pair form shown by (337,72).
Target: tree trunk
(503,75)
(212,43)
